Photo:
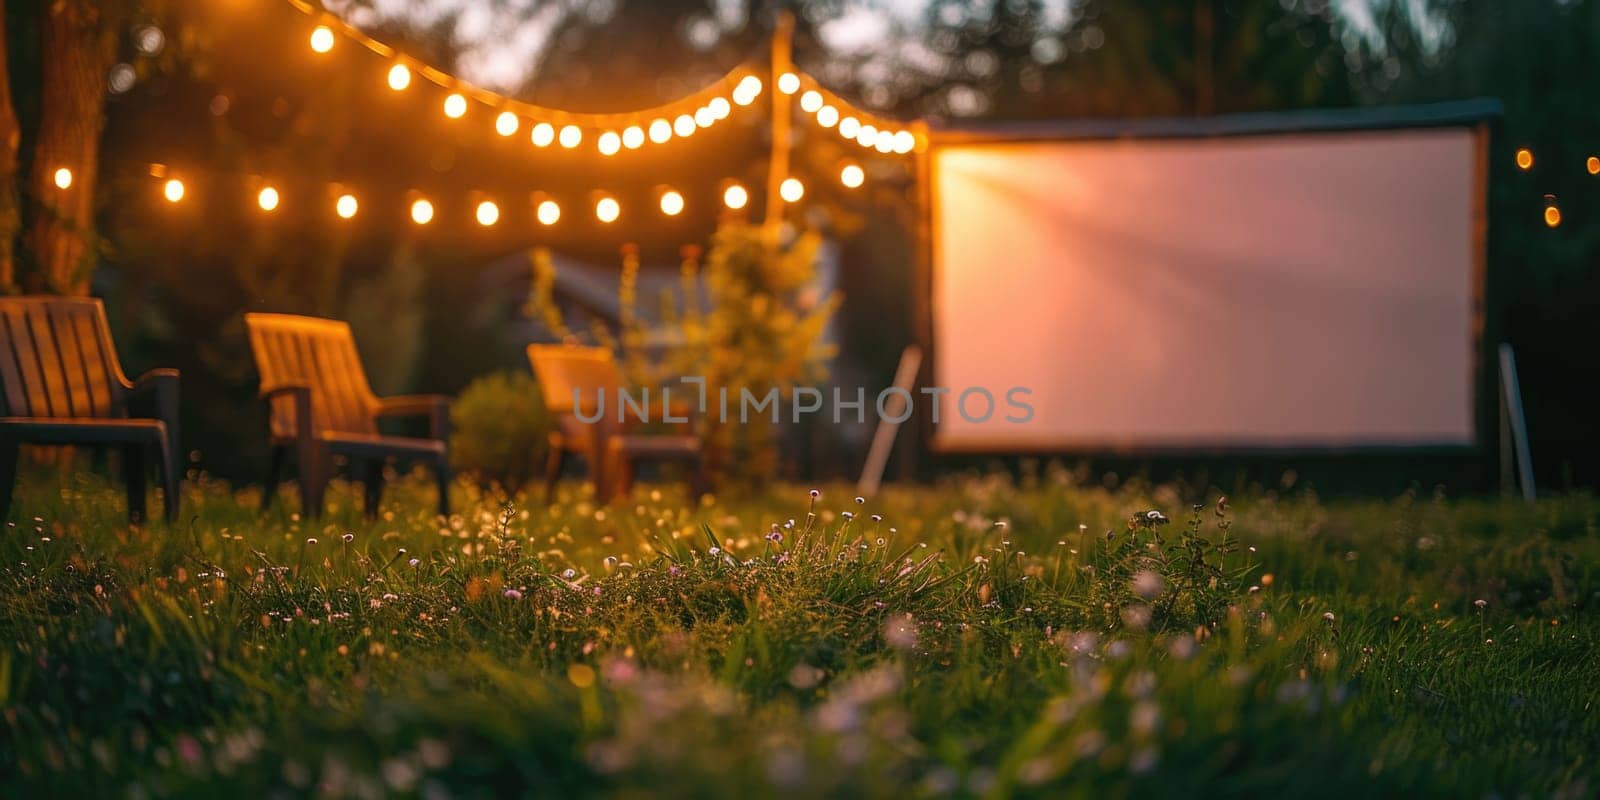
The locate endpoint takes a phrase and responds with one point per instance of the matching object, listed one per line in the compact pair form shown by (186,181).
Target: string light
(660,131)
(399,77)
(506,124)
(683,125)
(1524,159)
(849,127)
(571,136)
(811,101)
(671,203)
(610,143)
(827,116)
(735,197)
(421,211)
(455,106)
(488,213)
(63,178)
(346,206)
(267,198)
(606,209)
(789,83)
(791,190)
(705,106)
(1552,216)
(548,212)
(883,142)
(904,142)
(172,190)
(543,134)
(1593,165)
(633,137)
(321,39)
(852,176)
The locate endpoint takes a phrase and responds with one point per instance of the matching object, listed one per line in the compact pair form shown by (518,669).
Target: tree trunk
(76,55)
(10,140)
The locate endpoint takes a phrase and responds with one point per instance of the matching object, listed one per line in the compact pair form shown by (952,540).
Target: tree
(10,142)
(78,48)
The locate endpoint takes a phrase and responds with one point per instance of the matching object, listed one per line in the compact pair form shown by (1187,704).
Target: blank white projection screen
(1263,291)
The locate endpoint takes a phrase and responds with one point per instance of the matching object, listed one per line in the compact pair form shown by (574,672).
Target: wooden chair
(64,386)
(572,378)
(323,407)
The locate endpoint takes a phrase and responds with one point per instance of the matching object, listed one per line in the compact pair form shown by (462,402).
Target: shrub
(501,431)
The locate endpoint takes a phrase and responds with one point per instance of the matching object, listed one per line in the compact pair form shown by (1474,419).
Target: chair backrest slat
(568,371)
(56,359)
(319,354)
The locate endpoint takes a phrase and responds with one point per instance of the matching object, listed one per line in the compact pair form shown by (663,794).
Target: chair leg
(133,477)
(314,477)
(441,472)
(169,481)
(618,474)
(275,468)
(372,487)
(552,472)
(9,452)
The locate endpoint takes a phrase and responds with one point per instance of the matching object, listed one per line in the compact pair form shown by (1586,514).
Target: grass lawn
(986,637)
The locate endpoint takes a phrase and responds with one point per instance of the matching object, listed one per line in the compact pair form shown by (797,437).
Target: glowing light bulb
(1593,165)
(346,206)
(1552,216)
(422,212)
(735,197)
(660,131)
(172,190)
(703,117)
(748,89)
(852,176)
(571,136)
(883,142)
(827,116)
(607,209)
(866,136)
(507,123)
(791,190)
(268,199)
(788,83)
(904,142)
(321,39)
(671,203)
(683,125)
(63,178)
(488,213)
(849,127)
(811,101)
(1524,159)
(543,134)
(455,106)
(720,107)
(548,212)
(633,137)
(610,143)
(399,77)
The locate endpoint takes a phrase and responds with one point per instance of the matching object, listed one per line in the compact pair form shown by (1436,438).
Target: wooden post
(778,164)
(1514,450)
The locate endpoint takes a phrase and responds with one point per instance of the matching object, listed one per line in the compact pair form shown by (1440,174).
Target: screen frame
(1480,117)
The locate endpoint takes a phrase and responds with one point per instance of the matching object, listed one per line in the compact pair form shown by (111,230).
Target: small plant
(501,431)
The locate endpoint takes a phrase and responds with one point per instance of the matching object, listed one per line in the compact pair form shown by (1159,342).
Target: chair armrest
(155,394)
(436,407)
(302,408)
